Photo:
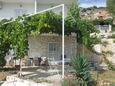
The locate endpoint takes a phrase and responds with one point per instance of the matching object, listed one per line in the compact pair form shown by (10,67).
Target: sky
(90,3)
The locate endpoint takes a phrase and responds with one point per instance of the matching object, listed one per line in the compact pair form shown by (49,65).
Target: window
(20,12)
(103,36)
(53,47)
(103,28)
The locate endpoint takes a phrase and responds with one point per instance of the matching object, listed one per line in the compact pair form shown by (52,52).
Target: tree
(16,32)
(48,22)
(19,36)
(111,6)
(4,42)
(83,28)
(13,36)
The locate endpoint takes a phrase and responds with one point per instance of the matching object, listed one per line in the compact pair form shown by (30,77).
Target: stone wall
(38,46)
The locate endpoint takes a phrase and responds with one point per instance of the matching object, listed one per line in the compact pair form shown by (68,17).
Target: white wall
(8,9)
(38,45)
(41,7)
(45,4)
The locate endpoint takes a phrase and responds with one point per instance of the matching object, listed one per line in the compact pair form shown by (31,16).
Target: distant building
(94,13)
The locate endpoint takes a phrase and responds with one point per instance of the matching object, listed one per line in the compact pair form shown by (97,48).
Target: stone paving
(50,76)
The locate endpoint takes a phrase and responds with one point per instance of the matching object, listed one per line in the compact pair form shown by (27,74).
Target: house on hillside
(102,20)
(89,13)
(104,25)
(102,15)
(50,46)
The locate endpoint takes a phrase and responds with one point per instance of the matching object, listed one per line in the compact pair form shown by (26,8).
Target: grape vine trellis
(14,35)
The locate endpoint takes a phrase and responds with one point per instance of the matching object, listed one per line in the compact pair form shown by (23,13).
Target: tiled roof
(102,14)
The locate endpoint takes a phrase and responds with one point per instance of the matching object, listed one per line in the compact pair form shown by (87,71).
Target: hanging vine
(15,33)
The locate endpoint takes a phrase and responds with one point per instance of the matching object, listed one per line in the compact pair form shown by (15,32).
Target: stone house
(44,45)
(50,46)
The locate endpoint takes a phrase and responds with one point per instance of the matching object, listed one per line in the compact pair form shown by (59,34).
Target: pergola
(63,16)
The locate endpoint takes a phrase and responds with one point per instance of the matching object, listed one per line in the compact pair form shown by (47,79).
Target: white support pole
(63,41)
(35,6)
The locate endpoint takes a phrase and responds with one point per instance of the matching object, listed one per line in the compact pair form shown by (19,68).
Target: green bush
(113,41)
(103,22)
(7,69)
(110,65)
(69,82)
(65,83)
(113,27)
(2,62)
(113,36)
(82,70)
(105,43)
(113,84)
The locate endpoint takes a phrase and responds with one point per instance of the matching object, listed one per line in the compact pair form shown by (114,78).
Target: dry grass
(104,76)
(108,76)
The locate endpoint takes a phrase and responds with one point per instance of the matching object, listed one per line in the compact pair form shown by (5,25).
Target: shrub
(105,43)
(112,84)
(2,62)
(82,70)
(65,83)
(105,53)
(68,82)
(113,36)
(113,41)
(7,69)
(103,22)
(110,65)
